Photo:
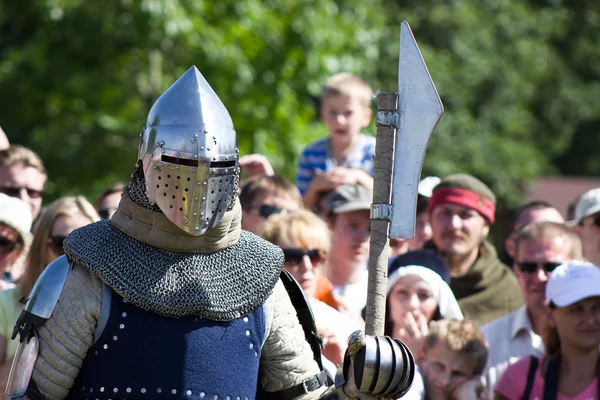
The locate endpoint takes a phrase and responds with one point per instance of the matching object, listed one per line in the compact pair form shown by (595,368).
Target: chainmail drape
(219,286)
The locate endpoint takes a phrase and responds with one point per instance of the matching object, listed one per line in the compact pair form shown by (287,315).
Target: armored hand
(375,366)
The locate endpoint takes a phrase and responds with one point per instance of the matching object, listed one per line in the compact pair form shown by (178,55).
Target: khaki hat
(348,198)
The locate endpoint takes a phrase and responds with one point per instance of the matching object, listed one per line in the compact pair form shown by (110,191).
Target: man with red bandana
(462,210)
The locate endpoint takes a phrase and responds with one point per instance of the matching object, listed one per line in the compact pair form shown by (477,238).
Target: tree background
(519,79)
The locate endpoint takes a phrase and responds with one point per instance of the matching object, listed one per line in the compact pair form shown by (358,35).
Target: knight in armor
(171,299)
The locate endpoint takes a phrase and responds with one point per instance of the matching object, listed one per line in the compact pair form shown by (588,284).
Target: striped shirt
(317,158)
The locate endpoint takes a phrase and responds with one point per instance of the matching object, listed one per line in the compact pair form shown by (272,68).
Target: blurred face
(444,370)
(422,232)
(457,230)
(578,325)
(10,246)
(590,237)
(108,206)
(304,263)
(350,234)
(411,294)
(344,118)
(25,183)
(536,259)
(253,221)
(530,217)
(63,226)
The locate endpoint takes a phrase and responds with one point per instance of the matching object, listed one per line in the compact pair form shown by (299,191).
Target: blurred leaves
(519,79)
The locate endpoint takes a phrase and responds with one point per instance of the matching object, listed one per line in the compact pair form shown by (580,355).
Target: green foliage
(519,78)
(78,80)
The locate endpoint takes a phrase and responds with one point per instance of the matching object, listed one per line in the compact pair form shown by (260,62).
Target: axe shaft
(379,248)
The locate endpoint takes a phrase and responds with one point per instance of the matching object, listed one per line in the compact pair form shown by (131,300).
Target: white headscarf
(447,303)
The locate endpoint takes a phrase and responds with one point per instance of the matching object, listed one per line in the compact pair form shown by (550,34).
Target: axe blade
(419,110)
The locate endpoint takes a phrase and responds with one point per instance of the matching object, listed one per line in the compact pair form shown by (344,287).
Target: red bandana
(465,198)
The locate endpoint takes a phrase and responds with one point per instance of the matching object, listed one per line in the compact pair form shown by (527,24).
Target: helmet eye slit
(179,161)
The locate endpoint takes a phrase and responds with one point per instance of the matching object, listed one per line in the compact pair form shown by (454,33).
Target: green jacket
(488,290)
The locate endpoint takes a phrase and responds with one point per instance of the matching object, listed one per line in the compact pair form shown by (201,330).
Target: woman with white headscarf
(416,296)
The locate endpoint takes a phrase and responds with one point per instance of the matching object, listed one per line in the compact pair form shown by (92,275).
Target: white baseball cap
(427,184)
(572,282)
(588,204)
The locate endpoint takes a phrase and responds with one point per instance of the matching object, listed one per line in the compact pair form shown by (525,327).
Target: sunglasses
(106,213)
(56,244)
(13,191)
(530,267)
(294,257)
(7,244)
(266,211)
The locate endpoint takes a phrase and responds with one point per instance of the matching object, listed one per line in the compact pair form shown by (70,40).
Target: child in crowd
(345,109)
(452,360)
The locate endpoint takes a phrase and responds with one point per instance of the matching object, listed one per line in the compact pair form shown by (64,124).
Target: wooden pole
(379,248)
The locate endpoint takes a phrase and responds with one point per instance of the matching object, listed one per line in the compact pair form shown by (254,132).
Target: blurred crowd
(477,327)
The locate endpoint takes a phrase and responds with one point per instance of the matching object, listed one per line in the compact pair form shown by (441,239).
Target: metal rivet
(91,390)
(255,354)
(197,228)
(194,214)
(115,338)
(159,390)
(105,346)
(198,183)
(128,390)
(189,392)
(162,164)
(247,333)
(251,345)
(155,167)
(115,390)
(102,389)
(122,326)
(143,390)
(202,394)
(195,155)
(124,314)
(178,154)
(185,222)
(201,147)
(193,169)
(228,397)
(177,167)
(204,183)
(203,198)
(195,135)
(245,319)
(216,397)
(174,391)
(162,151)
(96,352)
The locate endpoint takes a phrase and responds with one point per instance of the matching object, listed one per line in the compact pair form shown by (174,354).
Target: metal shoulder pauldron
(39,308)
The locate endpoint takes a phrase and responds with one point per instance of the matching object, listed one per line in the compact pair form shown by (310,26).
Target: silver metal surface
(189,154)
(386,365)
(419,110)
(381,211)
(47,289)
(366,370)
(22,368)
(399,366)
